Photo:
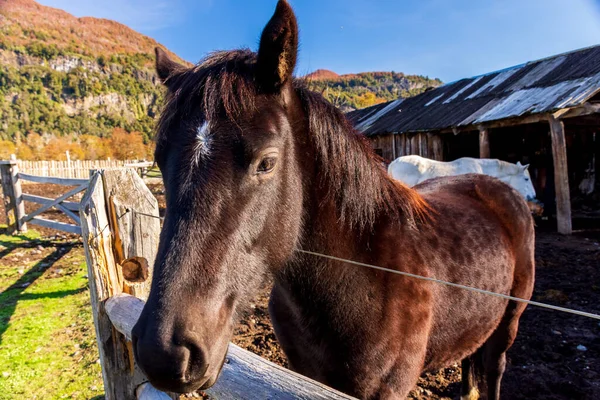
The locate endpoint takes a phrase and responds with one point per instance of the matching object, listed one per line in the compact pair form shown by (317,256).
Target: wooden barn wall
(383,145)
(391,146)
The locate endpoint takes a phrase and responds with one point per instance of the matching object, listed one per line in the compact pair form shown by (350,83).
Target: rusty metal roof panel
(562,81)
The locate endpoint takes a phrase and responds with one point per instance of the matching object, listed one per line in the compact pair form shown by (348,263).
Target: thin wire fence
(439,281)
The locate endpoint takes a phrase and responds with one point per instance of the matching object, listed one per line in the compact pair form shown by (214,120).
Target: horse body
(370,333)
(414,169)
(256,167)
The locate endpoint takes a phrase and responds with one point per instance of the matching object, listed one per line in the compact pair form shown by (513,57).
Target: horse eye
(266,165)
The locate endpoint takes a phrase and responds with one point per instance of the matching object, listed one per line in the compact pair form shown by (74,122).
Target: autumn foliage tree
(57,148)
(127,146)
(6,149)
(119,145)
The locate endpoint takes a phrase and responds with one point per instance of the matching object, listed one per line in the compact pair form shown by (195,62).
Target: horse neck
(348,193)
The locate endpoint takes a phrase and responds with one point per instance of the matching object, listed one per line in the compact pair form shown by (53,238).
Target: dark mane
(223,86)
(351,171)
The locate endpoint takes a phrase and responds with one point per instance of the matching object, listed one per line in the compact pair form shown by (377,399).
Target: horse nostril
(172,363)
(196,361)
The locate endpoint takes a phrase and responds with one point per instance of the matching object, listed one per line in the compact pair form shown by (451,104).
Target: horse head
(226,147)
(518,177)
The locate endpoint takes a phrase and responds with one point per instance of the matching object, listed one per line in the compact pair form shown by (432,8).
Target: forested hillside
(88,85)
(64,78)
(353,91)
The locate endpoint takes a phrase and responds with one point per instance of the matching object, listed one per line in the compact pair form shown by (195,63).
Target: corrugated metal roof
(562,81)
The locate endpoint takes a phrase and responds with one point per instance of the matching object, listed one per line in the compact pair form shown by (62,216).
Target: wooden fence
(120,228)
(71,169)
(14,199)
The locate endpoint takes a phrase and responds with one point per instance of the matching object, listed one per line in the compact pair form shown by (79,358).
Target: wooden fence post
(133,212)
(484,142)
(561,176)
(110,205)
(13,196)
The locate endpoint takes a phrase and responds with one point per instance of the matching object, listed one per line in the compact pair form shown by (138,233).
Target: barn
(545,113)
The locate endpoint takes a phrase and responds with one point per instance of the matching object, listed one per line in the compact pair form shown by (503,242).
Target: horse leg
(494,349)
(472,376)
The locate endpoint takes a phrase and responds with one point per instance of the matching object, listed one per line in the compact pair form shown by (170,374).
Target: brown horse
(256,167)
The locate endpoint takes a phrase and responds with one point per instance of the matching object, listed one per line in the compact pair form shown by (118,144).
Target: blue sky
(449,39)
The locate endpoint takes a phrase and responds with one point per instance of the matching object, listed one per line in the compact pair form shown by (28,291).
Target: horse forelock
(219,86)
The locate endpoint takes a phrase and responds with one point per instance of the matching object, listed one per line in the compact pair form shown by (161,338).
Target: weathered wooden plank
(141,164)
(61,226)
(245,376)
(13,196)
(484,142)
(401,140)
(54,202)
(414,145)
(136,233)
(585,109)
(438,148)
(69,205)
(561,176)
(53,180)
(119,373)
(423,145)
(68,213)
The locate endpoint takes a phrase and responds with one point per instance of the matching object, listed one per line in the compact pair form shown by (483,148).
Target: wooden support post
(414,145)
(484,143)
(430,153)
(422,145)
(13,196)
(401,140)
(561,176)
(438,148)
(106,278)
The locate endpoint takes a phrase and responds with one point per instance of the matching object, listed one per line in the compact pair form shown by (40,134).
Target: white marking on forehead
(202,132)
(202,140)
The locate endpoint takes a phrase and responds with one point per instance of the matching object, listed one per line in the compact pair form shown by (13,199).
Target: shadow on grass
(14,293)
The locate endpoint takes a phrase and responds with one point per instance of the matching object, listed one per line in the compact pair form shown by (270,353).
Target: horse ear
(519,163)
(278,48)
(526,166)
(165,67)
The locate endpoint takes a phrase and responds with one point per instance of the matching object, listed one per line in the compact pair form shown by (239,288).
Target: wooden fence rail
(120,238)
(70,169)
(67,173)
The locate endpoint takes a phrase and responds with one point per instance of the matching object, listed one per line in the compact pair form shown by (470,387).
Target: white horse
(412,170)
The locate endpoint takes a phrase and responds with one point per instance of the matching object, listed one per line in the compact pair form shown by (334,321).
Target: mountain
(62,76)
(352,91)
(322,75)
(80,84)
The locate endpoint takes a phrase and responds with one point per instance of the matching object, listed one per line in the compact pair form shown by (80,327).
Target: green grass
(47,339)
(154,173)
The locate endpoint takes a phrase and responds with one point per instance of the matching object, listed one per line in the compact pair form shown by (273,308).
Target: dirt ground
(556,356)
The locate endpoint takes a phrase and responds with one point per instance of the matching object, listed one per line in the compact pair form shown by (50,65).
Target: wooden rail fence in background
(73,173)
(69,169)
(120,229)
